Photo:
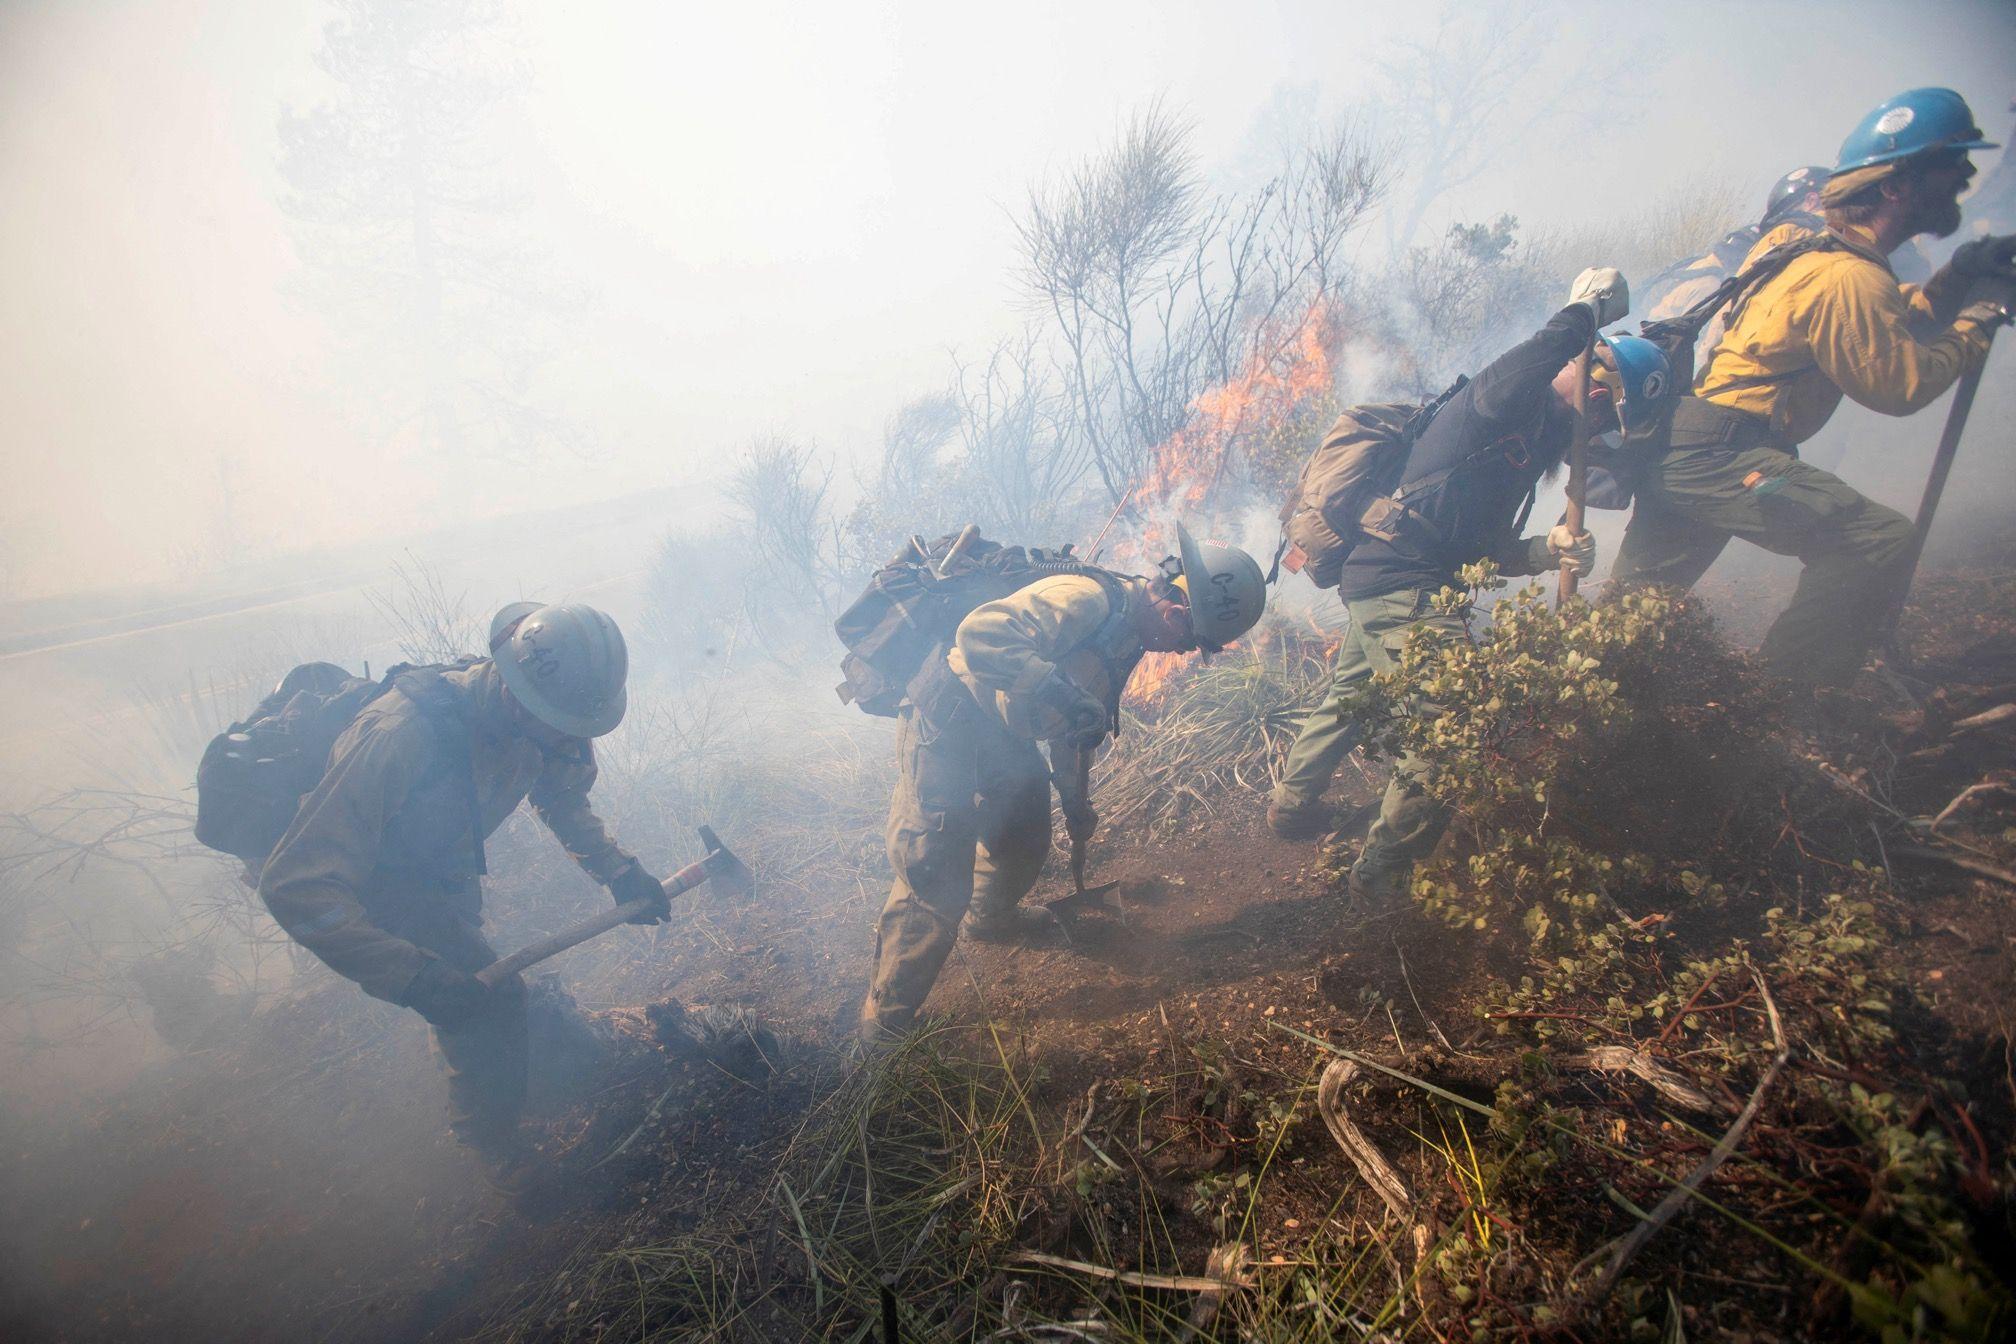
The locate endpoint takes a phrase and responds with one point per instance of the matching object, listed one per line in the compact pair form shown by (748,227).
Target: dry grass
(1221,731)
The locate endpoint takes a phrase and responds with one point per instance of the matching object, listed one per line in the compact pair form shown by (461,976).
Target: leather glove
(1573,552)
(1081,821)
(1985,257)
(1985,313)
(1602,290)
(1084,717)
(636,884)
(445,996)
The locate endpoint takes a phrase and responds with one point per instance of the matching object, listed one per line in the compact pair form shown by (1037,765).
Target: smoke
(709,261)
(253,368)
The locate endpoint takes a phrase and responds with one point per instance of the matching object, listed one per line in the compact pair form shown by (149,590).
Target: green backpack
(1344,493)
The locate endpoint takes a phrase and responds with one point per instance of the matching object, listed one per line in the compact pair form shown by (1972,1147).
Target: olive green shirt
(390,825)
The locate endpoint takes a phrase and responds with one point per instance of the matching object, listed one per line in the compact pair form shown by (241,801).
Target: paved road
(128,699)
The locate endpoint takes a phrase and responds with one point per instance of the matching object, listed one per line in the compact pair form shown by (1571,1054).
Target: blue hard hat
(1645,376)
(1914,122)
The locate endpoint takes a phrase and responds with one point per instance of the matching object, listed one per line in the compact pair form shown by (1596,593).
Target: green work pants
(485,1055)
(1692,500)
(1410,823)
(969,823)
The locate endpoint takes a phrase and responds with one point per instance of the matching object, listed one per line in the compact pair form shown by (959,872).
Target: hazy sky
(786,215)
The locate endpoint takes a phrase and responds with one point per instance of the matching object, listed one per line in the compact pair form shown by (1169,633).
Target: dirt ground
(351,1216)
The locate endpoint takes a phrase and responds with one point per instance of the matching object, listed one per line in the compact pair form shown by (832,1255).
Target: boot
(1300,821)
(1015,924)
(1379,881)
(520,1172)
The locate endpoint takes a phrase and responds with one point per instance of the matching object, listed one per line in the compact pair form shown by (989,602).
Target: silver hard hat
(566,664)
(1227,593)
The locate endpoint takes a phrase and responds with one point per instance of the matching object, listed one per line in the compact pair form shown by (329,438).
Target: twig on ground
(1978,867)
(1664,1081)
(1669,1208)
(1408,980)
(1180,1283)
(1371,1163)
(1965,796)
(1974,723)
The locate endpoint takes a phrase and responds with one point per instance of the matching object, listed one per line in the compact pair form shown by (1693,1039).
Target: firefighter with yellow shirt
(969,822)
(1833,322)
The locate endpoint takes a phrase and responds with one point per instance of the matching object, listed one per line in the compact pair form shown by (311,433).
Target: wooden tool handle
(1578,459)
(687,878)
(959,545)
(503,969)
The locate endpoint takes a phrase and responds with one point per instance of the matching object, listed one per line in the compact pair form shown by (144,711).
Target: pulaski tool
(729,875)
(1081,895)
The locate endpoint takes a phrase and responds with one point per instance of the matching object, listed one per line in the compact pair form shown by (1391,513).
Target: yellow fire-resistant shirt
(1004,649)
(1833,322)
(1704,275)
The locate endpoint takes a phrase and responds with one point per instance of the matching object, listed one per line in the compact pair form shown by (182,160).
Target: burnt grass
(294,1182)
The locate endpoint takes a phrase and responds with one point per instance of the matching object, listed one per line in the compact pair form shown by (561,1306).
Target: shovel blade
(1084,897)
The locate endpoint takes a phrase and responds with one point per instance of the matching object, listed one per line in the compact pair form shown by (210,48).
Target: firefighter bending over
(969,823)
(379,874)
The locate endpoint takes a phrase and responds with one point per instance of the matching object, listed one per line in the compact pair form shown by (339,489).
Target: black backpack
(255,773)
(913,605)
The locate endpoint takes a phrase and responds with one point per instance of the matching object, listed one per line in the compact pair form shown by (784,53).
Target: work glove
(1601,289)
(1984,258)
(1985,312)
(636,884)
(1573,552)
(1084,716)
(445,996)
(1081,822)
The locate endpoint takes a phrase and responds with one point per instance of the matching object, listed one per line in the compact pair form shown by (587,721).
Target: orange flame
(1260,400)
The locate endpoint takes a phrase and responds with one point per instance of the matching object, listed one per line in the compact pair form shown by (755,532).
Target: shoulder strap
(1435,480)
(1767,266)
(448,711)
(1101,639)
(1739,287)
(1417,423)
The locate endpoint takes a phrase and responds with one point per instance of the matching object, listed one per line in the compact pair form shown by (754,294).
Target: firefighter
(1469,483)
(379,874)
(969,822)
(1833,321)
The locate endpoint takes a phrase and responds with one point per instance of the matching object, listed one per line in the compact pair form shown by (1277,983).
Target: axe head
(727,874)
